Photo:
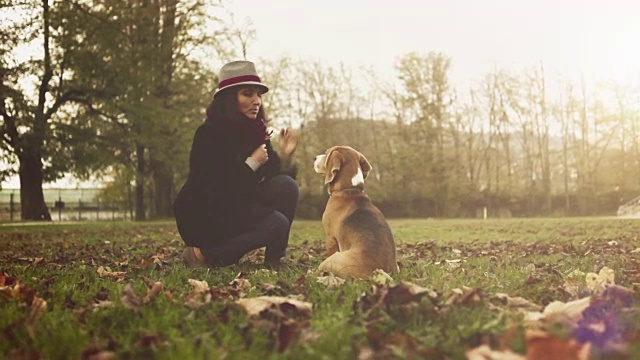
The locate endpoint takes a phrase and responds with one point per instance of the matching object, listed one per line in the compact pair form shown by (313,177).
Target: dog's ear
(364,165)
(334,162)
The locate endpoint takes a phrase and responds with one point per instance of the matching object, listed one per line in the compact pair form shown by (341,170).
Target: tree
(428,94)
(34,94)
(156,92)
(539,122)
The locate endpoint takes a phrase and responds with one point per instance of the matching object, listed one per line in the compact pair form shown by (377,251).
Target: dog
(358,238)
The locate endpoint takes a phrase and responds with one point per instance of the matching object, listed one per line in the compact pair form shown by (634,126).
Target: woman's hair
(225,105)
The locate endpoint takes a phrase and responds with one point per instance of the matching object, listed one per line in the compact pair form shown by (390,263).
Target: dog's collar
(353,189)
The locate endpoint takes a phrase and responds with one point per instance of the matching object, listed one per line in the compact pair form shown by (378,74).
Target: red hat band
(238,79)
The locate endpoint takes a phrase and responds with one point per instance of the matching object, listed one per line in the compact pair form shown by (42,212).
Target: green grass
(529,258)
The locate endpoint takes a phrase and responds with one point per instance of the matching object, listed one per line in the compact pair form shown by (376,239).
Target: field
(102,290)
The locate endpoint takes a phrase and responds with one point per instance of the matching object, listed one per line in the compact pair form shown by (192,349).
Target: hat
(239,72)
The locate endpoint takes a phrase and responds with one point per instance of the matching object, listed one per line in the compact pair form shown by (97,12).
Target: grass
(454,309)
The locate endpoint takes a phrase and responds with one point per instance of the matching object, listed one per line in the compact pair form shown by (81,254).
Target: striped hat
(239,72)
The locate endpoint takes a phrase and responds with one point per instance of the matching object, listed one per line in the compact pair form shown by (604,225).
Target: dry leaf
(517,302)
(155,259)
(199,285)
(153,292)
(254,306)
(574,283)
(199,295)
(38,306)
(598,283)
(241,284)
(416,291)
(5,280)
(330,281)
(100,355)
(464,296)
(531,268)
(129,298)
(542,346)
(379,276)
(103,355)
(102,304)
(150,340)
(484,352)
(116,275)
(558,311)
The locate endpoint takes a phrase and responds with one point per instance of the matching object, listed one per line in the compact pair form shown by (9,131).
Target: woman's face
(249,100)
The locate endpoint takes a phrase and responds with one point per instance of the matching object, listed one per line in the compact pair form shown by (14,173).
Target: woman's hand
(260,154)
(288,142)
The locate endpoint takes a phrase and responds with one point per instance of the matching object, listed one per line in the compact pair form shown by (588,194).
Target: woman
(240,195)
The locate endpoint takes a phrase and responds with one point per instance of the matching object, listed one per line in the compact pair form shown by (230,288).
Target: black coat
(220,198)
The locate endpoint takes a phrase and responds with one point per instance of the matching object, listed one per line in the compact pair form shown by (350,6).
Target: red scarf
(250,132)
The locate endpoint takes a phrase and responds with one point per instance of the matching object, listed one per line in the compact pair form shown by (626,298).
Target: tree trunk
(164,187)
(32,202)
(140,174)
(163,191)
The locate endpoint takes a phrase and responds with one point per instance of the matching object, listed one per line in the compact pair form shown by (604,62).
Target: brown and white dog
(358,239)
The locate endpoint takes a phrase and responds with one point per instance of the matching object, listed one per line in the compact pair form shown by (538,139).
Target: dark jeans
(272,232)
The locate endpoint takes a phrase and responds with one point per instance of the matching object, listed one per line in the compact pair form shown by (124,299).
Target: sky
(597,40)
(574,38)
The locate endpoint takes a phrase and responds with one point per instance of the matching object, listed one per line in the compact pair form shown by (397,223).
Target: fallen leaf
(150,340)
(101,304)
(5,279)
(449,262)
(129,298)
(602,323)
(517,302)
(38,306)
(116,275)
(559,312)
(330,281)
(102,294)
(484,352)
(380,277)
(254,306)
(100,355)
(597,283)
(399,302)
(542,346)
(153,292)
(288,333)
(199,285)
(574,283)
(157,259)
(199,295)
(98,350)
(464,296)
(415,291)
(531,268)
(240,283)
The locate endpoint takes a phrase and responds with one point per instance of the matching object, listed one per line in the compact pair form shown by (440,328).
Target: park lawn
(119,290)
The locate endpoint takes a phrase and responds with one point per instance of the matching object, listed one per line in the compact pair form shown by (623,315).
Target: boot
(193,258)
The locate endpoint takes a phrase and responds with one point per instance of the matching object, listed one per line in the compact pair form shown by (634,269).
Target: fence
(67,205)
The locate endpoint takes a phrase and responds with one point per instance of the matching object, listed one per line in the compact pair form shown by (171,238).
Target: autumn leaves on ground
(467,289)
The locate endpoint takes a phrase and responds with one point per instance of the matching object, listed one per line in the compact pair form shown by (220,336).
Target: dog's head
(343,168)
